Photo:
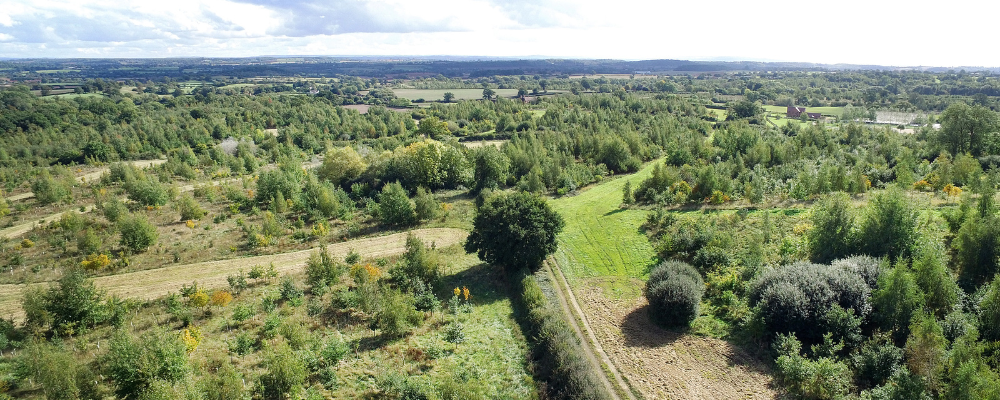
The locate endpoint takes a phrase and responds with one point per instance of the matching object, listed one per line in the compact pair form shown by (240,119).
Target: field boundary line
(596,353)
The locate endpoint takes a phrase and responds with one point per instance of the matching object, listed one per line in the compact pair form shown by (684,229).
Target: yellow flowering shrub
(221,298)
(191,338)
(198,299)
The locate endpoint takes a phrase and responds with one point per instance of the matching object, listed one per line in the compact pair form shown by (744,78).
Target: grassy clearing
(460,94)
(601,239)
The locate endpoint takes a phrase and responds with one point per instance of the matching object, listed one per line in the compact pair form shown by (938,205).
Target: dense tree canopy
(514,231)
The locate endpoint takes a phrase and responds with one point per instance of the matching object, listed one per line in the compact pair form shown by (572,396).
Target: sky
(945,34)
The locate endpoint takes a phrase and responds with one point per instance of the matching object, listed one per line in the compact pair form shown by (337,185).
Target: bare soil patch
(662,364)
(154,283)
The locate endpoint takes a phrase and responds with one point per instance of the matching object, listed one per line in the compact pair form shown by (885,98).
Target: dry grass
(662,364)
(153,283)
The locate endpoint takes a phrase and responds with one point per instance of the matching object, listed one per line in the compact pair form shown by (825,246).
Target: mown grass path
(154,283)
(601,239)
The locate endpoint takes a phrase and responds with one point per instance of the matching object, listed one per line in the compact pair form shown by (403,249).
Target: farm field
(606,259)
(438,94)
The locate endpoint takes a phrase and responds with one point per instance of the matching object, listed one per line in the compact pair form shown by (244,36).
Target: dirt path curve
(591,346)
(154,283)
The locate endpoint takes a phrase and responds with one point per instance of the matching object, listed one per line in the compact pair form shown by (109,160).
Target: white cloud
(851,31)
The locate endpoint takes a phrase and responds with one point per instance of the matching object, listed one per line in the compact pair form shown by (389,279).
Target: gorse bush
(674,291)
(799,297)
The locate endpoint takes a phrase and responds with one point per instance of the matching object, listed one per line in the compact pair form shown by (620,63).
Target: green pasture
(438,94)
(719,114)
(601,239)
(54,71)
(834,111)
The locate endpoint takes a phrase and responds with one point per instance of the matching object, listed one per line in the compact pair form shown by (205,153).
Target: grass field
(600,239)
(438,94)
(834,111)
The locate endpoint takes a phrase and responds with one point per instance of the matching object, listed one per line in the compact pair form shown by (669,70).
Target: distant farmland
(460,94)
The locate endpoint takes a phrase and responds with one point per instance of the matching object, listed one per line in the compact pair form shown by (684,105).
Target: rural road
(591,346)
(155,283)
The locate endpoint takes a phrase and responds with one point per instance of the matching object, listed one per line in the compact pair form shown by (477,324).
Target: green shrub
(832,235)
(396,314)
(88,242)
(225,384)
(797,298)
(896,301)
(395,207)
(674,292)
(322,270)
(824,378)
(890,225)
(334,349)
(113,209)
(136,364)
(876,361)
(560,361)
(137,233)
(284,373)
(55,370)
(49,190)
(146,191)
(189,208)
(425,205)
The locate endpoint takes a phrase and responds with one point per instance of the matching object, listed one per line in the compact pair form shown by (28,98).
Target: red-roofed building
(795,112)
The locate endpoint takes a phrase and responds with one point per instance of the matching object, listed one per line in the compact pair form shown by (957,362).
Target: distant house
(795,112)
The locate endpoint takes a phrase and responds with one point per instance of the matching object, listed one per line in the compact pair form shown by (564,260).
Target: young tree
(136,364)
(284,373)
(137,233)
(896,301)
(49,190)
(341,165)
(890,225)
(832,235)
(514,231)
(627,196)
(189,208)
(395,207)
(490,167)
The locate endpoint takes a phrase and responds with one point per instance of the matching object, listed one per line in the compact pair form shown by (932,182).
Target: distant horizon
(460,58)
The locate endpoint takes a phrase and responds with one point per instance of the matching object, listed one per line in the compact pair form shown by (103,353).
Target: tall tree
(514,231)
(966,128)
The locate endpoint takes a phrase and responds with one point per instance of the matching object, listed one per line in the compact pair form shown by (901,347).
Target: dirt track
(154,283)
(666,365)
(591,346)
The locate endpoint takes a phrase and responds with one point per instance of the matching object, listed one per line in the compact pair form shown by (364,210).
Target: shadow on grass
(485,282)
(640,331)
(615,211)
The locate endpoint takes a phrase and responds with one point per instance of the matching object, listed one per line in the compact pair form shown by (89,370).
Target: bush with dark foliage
(798,298)
(674,292)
